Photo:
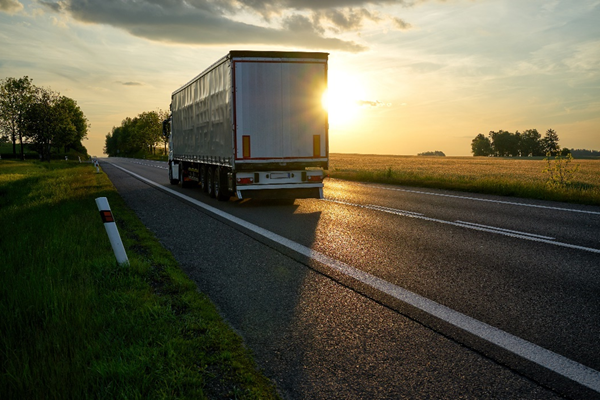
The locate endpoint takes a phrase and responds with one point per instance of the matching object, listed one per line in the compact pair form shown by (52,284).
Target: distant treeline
(137,136)
(582,153)
(518,144)
(432,153)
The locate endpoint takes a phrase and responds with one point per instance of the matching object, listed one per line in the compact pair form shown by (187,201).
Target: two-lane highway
(509,287)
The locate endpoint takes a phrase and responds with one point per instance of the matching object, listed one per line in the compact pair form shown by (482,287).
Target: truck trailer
(252,125)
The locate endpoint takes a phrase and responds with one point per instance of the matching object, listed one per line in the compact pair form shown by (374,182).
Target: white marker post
(112,231)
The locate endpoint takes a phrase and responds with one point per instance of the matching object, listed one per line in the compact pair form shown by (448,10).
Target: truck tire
(220,184)
(172,180)
(210,181)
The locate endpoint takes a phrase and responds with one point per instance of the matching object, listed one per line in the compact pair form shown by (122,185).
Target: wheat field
(521,177)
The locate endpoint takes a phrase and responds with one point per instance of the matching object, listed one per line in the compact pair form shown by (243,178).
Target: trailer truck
(252,125)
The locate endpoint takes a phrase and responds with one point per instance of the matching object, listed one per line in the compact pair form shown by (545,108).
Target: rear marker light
(246,146)
(244,181)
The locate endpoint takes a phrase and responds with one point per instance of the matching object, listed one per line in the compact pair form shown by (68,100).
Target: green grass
(520,177)
(6,150)
(75,325)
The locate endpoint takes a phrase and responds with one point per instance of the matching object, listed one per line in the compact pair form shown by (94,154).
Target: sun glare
(341,99)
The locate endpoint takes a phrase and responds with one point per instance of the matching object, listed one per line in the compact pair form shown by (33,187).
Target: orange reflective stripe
(317,146)
(107,216)
(246,146)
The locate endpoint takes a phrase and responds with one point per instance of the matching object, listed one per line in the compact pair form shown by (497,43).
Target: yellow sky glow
(402,80)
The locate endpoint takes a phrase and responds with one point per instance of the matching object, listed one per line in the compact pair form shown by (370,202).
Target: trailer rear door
(279,113)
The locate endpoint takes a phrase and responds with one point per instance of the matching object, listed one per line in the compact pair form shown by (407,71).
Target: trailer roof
(257,54)
(277,54)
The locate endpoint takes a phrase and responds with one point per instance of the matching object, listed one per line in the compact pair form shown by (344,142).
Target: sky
(405,76)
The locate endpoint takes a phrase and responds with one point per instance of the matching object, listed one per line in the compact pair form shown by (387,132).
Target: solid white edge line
(564,366)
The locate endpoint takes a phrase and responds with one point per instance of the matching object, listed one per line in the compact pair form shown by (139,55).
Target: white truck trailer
(252,125)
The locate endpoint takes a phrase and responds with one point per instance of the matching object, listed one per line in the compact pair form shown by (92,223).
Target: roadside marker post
(112,231)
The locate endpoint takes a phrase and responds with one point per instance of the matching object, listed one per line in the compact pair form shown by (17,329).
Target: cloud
(401,24)
(56,7)
(299,23)
(372,103)
(131,83)
(349,19)
(10,6)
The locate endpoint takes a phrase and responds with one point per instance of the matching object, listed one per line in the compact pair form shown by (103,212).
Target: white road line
(512,203)
(395,211)
(505,230)
(499,231)
(145,163)
(566,367)
(381,208)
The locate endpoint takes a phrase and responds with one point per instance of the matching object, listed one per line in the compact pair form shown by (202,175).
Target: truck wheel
(220,179)
(171,179)
(204,178)
(210,181)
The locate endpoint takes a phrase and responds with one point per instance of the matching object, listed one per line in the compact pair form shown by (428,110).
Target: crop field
(501,176)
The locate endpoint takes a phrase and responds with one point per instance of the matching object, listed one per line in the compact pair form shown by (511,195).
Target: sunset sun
(342,99)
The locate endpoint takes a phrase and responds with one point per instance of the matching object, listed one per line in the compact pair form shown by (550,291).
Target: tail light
(244,181)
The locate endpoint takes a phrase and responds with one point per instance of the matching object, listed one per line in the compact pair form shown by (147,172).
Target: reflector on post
(112,231)
(107,216)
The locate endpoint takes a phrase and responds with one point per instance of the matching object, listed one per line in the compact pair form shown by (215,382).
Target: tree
(148,130)
(121,141)
(582,153)
(46,120)
(550,142)
(141,133)
(77,125)
(504,143)
(16,96)
(163,115)
(481,146)
(436,153)
(530,143)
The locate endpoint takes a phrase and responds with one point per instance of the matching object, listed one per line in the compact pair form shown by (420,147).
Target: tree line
(436,153)
(138,135)
(583,153)
(41,118)
(529,143)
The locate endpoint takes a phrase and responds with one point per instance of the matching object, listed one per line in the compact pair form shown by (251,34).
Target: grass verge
(500,176)
(76,325)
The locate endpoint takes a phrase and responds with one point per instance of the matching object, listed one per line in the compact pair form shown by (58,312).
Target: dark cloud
(300,23)
(56,7)
(10,6)
(131,83)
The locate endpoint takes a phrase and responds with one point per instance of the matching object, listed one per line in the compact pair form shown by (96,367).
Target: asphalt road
(383,292)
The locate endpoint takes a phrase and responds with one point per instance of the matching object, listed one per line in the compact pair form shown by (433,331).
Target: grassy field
(75,325)
(501,176)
